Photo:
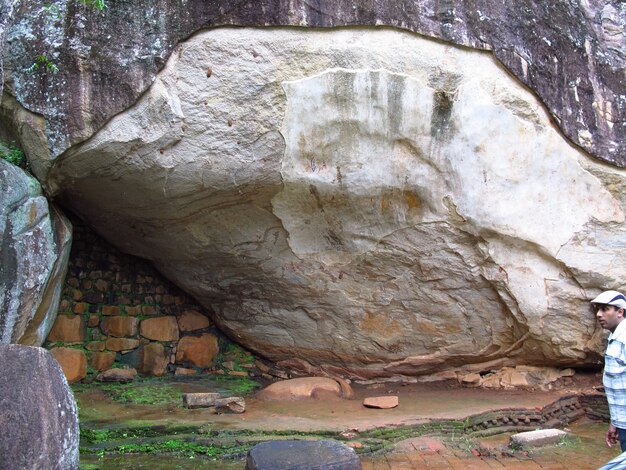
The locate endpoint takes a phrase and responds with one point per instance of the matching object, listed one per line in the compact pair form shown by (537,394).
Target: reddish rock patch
(121,344)
(159,329)
(119,326)
(192,320)
(198,350)
(381,402)
(102,360)
(154,359)
(72,361)
(68,329)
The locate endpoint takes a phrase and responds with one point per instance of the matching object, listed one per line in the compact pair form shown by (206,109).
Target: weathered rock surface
(35,241)
(7,14)
(38,413)
(326,454)
(571,53)
(515,377)
(303,388)
(374,202)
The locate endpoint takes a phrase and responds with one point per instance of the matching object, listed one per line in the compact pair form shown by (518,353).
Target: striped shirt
(614,379)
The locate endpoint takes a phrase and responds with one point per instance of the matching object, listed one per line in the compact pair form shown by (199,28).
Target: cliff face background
(434,187)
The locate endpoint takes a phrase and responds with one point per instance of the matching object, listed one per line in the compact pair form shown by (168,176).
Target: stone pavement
(585,451)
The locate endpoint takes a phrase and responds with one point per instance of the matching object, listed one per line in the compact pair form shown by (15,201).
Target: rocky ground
(145,425)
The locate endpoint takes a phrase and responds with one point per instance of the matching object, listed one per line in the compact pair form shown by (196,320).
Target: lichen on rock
(35,241)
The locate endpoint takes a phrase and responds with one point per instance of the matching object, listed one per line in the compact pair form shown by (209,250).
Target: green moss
(150,395)
(13,154)
(148,392)
(230,351)
(236,385)
(570,441)
(95,436)
(171,446)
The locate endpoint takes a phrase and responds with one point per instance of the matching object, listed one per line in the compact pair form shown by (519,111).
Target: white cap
(611,297)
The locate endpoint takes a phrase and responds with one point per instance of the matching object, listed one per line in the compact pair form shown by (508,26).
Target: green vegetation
(101,436)
(95,4)
(157,392)
(570,441)
(42,63)
(147,392)
(182,442)
(95,436)
(240,386)
(170,446)
(13,154)
(235,353)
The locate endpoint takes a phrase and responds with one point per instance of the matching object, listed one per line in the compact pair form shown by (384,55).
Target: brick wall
(117,311)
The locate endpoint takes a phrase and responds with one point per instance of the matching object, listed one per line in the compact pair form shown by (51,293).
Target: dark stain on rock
(318,200)
(339,176)
(446,14)
(441,125)
(8,258)
(395,103)
(333,239)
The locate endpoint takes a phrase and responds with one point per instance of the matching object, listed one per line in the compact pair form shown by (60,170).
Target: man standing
(609,307)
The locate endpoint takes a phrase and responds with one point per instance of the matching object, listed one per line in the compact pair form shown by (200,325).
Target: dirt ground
(418,404)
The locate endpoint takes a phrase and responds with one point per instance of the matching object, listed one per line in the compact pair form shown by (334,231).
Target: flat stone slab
(199,400)
(381,402)
(540,437)
(326,454)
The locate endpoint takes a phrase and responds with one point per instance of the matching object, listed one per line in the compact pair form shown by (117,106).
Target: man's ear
(620,312)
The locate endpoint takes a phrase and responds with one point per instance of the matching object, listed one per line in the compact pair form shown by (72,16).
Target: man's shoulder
(620,332)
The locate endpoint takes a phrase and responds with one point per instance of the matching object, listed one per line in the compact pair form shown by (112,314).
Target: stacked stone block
(118,311)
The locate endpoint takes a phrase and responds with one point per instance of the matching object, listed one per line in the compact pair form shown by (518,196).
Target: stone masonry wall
(117,311)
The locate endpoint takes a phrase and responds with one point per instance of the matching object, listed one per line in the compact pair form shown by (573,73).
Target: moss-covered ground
(144,424)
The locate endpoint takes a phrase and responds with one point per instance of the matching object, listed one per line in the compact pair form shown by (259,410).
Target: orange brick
(80,307)
(110,310)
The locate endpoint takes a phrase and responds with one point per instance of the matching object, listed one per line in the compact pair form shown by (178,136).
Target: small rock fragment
(381,402)
(230,405)
(184,371)
(117,375)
